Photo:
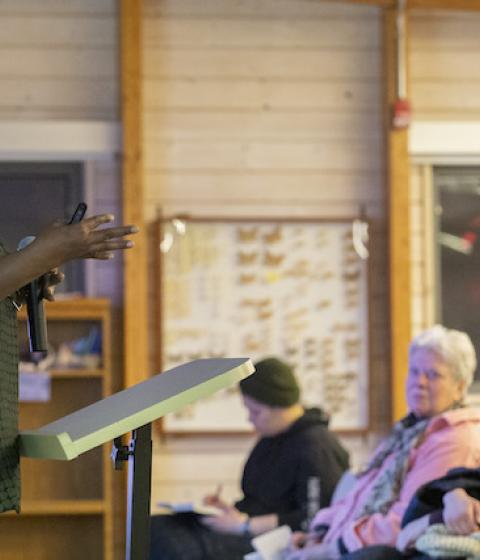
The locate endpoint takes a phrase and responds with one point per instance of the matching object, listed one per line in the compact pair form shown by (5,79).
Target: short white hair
(454,347)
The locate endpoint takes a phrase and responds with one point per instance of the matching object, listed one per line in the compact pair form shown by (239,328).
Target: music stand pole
(139,457)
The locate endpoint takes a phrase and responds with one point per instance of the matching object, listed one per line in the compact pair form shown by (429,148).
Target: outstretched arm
(58,244)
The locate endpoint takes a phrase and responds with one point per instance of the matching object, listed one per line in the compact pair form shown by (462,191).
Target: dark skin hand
(60,243)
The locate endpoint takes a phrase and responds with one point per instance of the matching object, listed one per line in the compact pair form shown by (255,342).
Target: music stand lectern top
(133,410)
(103,421)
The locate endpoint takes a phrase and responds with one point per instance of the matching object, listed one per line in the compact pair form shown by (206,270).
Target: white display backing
(296,290)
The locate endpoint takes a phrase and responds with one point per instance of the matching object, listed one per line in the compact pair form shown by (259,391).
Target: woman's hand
(461,512)
(411,532)
(231,521)
(298,540)
(315,551)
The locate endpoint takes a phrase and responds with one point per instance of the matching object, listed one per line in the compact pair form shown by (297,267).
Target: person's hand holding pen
(233,521)
(214,499)
(229,520)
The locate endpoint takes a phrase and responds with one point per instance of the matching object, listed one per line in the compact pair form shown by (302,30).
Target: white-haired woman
(439,433)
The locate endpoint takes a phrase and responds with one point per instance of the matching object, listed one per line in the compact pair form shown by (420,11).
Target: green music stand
(133,410)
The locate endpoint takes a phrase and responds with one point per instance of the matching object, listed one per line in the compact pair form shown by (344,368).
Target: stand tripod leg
(139,491)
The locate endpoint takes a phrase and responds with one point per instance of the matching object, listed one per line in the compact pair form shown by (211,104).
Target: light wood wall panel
(422,247)
(445,74)
(59,60)
(266,108)
(216,100)
(445,85)
(281,12)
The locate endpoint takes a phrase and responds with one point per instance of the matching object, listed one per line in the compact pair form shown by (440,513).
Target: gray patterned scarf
(404,436)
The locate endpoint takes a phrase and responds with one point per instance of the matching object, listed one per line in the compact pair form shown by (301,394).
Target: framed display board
(294,289)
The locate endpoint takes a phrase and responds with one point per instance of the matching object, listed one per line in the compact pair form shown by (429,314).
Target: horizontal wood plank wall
(445,73)
(422,266)
(445,85)
(59,60)
(264,107)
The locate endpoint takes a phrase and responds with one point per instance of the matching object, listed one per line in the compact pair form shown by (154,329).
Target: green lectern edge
(55,441)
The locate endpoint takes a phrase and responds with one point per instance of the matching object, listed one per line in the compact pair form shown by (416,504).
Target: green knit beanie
(272,383)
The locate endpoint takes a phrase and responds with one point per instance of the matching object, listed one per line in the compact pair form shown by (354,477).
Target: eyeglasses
(430,374)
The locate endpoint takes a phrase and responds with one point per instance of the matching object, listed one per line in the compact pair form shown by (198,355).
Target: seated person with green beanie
(291,472)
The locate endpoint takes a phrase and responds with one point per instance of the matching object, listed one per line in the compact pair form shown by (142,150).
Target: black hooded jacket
(281,469)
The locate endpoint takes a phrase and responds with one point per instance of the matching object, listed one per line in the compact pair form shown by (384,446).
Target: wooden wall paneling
(457,30)
(270,10)
(262,125)
(345,187)
(305,63)
(471,5)
(423,303)
(60,61)
(265,156)
(445,74)
(429,273)
(417,236)
(93,7)
(255,94)
(452,99)
(399,226)
(305,32)
(135,260)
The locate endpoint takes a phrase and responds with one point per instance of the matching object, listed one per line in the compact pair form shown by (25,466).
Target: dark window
(33,195)
(457,211)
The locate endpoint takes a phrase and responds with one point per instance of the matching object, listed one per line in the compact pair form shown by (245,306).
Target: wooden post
(135,261)
(398,166)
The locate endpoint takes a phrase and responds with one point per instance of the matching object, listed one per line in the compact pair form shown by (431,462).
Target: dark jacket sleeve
(429,497)
(317,475)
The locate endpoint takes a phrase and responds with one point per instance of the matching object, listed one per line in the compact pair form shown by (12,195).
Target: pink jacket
(451,440)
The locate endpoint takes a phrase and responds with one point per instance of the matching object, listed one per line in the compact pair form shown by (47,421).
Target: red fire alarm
(402,113)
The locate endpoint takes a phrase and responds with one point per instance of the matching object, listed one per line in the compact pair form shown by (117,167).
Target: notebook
(273,544)
(188,507)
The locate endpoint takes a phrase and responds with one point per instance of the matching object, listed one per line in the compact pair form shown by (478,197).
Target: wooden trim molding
(445,142)
(135,261)
(59,140)
(399,225)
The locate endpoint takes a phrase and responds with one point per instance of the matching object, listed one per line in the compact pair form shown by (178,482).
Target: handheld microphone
(37,324)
